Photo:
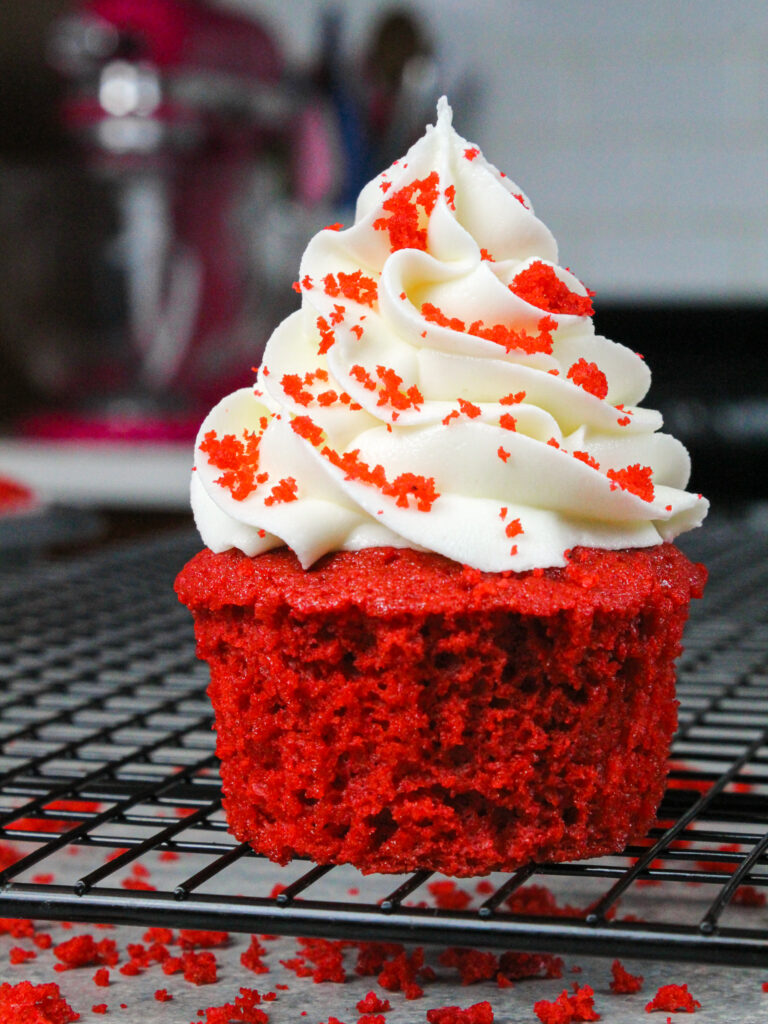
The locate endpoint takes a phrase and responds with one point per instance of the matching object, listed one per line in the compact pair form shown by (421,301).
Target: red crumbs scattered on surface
(673,998)
(568,1009)
(99,1008)
(479,1013)
(623,983)
(26,1003)
(590,377)
(251,957)
(164,935)
(356,287)
(473,965)
(636,479)
(245,1008)
(503,453)
(192,939)
(519,966)
(471,153)
(162,995)
(238,458)
(450,196)
(328,957)
(513,528)
(404,224)
(83,951)
(508,337)
(101,977)
(17,955)
(197,968)
(400,973)
(371,1003)
(540,285)
(507,421)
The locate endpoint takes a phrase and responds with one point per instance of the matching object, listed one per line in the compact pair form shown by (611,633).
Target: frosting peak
(442,387)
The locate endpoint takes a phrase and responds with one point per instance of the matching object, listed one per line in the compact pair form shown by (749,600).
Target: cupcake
(439,598)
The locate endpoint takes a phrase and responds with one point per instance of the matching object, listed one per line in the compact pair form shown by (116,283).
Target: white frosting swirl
(442,387)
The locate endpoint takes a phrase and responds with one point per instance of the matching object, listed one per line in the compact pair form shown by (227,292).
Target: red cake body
(395,710)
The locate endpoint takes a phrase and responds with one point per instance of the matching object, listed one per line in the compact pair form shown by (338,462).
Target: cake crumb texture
(395,710)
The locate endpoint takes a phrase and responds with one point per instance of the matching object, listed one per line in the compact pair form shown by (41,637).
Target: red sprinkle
(162,995)
(636,479)
(590,377)
(540,285)
(404,223)
(471,153)
(99,1008)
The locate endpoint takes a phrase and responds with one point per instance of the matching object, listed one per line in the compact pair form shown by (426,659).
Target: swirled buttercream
(441,387)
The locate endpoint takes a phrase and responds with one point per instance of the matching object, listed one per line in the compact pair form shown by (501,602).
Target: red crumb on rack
(636,479)
(624,983)
(568,1009)
(101,977)
(478,1013)
(404,223)
(162,995)
(99,1008)
(590,377)
(674,999)
(83,951)
(539,284)
(40,1004)
(356,287)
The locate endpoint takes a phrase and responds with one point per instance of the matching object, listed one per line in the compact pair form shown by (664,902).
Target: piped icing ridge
(442,388)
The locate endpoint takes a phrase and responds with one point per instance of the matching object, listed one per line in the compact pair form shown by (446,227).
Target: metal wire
(105,743)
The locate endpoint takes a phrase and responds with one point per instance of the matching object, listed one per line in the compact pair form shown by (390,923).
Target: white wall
(639,128)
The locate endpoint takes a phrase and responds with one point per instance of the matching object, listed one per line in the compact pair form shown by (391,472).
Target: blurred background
(163,163)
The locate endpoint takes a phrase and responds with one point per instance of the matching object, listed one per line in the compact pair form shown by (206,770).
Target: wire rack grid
(106,748)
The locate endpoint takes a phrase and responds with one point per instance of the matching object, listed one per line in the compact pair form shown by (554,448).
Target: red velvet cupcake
(439,601)
(395,710)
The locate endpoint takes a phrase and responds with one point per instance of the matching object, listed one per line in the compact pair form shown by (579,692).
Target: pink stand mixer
(173,107)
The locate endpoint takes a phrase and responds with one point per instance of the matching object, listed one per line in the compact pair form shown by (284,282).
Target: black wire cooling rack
(106,744)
